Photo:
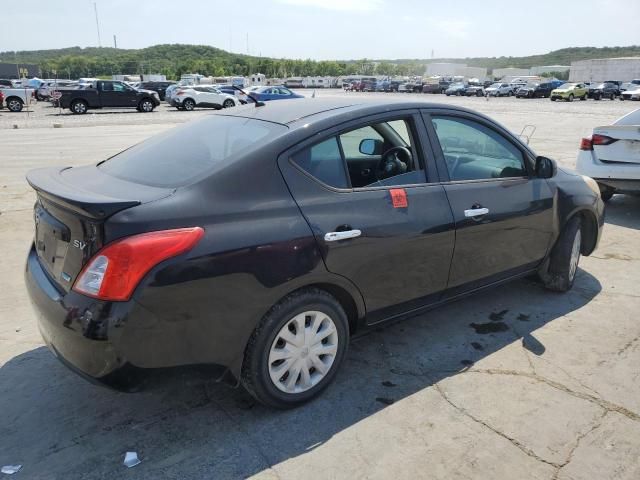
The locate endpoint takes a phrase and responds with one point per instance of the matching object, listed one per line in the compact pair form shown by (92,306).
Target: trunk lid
(71,209)
(626,148)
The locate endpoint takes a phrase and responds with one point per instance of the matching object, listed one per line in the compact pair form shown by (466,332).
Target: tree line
(174,60)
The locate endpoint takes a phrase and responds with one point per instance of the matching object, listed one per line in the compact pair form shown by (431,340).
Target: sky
(327,29)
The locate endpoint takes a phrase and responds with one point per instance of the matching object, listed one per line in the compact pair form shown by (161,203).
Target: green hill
(173,60)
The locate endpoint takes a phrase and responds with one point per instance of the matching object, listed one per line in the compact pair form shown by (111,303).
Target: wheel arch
(14,97)
(588,229)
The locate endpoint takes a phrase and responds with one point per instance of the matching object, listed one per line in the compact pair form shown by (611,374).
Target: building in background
(549,69)
(455,70)
(600,70)
(13,71)
(499,73)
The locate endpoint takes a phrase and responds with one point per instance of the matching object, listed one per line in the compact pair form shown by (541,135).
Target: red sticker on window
(399,198)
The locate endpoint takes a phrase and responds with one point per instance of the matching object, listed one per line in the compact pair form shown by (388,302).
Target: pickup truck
(16,98)
(108,94)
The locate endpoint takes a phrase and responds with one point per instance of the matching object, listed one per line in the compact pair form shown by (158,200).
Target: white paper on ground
(11,469)
(131,459)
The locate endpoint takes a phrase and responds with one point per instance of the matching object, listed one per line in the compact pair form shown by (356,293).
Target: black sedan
(536,90)
(604,90)
(262,238)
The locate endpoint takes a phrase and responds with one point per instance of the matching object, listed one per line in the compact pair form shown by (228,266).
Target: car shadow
(624,211)
(59,426)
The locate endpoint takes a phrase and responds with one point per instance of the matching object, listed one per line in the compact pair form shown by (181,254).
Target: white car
(16,98)
(611,156)
(47,88)
(632,93)
(499,89)
(204,96)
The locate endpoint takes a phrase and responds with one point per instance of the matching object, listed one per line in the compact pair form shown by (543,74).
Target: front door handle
(475,212)
(337,236)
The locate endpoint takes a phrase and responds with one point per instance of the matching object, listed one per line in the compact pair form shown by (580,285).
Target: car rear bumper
(72,326)
(589,164)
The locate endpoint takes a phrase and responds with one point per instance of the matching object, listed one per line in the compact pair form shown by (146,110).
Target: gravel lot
(554,396)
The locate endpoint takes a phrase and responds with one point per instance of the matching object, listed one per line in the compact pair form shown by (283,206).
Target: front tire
(295,351)
(562,265)
(228,103)
(570,99)
(188,105)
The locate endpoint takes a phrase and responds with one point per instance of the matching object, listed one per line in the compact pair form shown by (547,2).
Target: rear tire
(606,192)
(612,96)
(14,104)
(570,98)
(562,265)
(79,107)
(146,106)
(228,103)
(284,347)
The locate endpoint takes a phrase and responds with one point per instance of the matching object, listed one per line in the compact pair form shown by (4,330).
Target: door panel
(395,243)
(504,215)
(512,237)
(402,257)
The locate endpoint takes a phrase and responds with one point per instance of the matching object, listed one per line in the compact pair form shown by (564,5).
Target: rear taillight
(602,139)
(115,271)
(596,139)
(586,144)
(179,92)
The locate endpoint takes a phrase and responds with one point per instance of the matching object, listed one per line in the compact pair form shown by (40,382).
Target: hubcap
(575,255)
(14,105)
(146,106)
(303,352)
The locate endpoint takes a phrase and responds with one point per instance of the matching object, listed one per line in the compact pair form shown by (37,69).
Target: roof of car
(290,112)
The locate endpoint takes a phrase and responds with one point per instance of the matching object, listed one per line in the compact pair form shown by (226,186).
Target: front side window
(378,154)
(119,87)
(475,152)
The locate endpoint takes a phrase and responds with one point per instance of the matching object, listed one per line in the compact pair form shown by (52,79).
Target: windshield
(495,85)
(567,85)
(457,85)
(178,157)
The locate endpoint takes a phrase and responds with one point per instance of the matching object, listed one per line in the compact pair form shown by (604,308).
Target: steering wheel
(391,164)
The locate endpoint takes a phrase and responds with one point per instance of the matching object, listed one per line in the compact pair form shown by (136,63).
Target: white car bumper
(619,175)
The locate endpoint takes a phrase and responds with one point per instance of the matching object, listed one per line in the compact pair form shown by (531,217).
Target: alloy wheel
(575,255)
(303,352)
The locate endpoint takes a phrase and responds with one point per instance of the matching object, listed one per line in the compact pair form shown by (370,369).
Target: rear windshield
(181,155)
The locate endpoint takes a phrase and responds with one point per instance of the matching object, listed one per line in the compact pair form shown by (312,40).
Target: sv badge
(79,244)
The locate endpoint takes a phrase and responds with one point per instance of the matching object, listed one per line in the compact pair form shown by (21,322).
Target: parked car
(631,93)
(108,94)
(432,88)
(5,83)
(47,88)
(604,90)
(499,89)
(458,89)
(285,229)
(159,87)
(202,96)
(1,100)
(612,157)
(569,91)
(535,90)
(16,98)
(266,94)
(475,90)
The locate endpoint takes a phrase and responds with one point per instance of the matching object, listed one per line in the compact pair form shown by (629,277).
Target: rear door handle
(337,236)
(475,212)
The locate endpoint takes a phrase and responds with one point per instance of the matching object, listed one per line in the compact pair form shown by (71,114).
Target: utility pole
(95,9)
(115,42)
(247,43)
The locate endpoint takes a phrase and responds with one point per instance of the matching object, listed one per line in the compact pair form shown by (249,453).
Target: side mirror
(545,167)
(370,146)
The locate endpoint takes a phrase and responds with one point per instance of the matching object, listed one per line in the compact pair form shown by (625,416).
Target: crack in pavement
(628,345)
(605,404)
(526,450)
(597,424)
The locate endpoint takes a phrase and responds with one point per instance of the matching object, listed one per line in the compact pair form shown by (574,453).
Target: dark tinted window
(475,152)
(175,158)
(324,162)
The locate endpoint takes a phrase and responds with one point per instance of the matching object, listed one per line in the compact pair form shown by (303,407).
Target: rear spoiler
(48,182)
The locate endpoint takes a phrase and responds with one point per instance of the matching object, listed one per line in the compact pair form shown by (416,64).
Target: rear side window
(181,155)
(324,162)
